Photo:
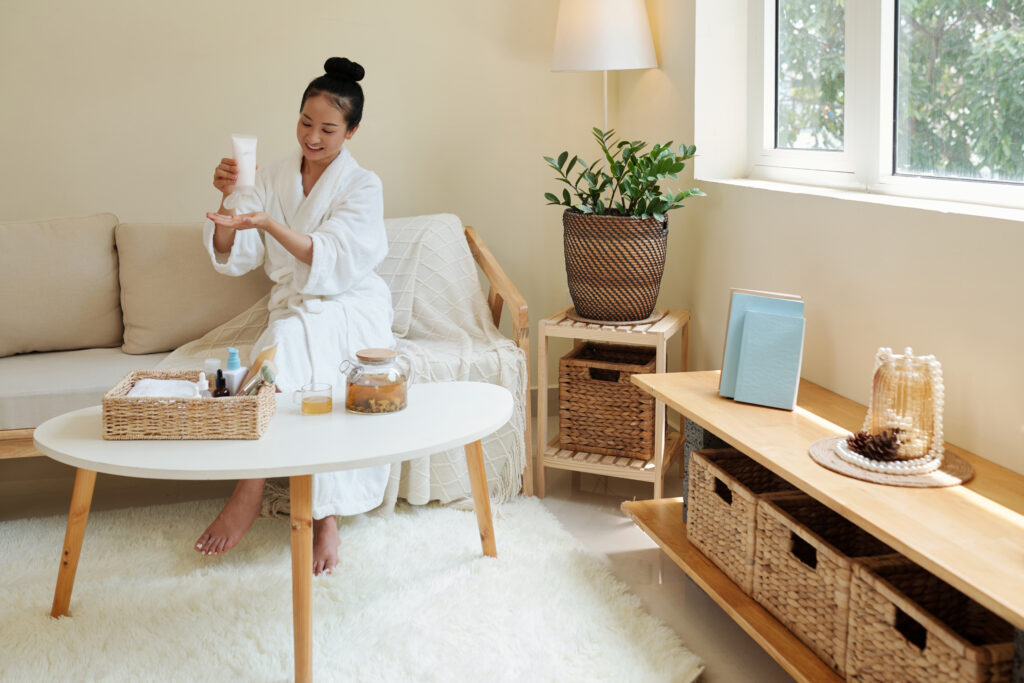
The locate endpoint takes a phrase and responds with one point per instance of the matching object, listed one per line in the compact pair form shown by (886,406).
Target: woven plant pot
(614,264)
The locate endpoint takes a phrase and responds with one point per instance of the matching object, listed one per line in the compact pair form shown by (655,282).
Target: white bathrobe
(323,313)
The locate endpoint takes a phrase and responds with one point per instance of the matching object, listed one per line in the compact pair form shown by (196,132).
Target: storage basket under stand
(600,409)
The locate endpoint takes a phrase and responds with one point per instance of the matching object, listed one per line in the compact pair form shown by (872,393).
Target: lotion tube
(244,147)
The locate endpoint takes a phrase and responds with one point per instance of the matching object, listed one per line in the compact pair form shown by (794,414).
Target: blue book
(768,371)
(740,302)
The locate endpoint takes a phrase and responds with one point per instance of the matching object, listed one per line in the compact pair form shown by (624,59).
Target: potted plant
(616,225)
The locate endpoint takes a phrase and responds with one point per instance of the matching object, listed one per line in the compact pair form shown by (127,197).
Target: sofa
(88,299)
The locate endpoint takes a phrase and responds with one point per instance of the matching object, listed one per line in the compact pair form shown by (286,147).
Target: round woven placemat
(571,314)
(953,471)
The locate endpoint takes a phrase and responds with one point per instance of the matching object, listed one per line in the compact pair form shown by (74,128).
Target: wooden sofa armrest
(503,292)
(17,443)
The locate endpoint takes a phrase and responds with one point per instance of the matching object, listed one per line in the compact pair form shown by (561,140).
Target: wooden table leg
(660,366)
(541,422)
(78,515)
(481,499)
(302,574)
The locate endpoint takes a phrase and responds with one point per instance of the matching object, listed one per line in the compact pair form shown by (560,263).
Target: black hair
(341,82)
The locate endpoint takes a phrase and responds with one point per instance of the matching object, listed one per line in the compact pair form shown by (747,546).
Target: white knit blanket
(442,322)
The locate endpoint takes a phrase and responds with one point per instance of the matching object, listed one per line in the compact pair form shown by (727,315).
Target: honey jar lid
(375,355)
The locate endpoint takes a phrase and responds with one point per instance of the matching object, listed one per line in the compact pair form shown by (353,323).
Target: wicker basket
(600,410)
(908,625)
(613,264)
(725,486)
(803,565)
(230,417)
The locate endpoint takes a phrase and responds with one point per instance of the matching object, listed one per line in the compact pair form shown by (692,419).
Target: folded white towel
(164,388)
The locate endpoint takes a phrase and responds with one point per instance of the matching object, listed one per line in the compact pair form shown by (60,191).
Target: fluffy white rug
(413,600)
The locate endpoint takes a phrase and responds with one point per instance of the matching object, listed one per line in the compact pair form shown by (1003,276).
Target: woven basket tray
(230,417)
(803,564)
(725,486)
(599,409)
(908,625)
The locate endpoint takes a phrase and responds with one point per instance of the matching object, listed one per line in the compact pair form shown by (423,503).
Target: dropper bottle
(222,387)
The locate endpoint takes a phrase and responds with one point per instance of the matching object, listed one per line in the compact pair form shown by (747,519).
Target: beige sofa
(85,300)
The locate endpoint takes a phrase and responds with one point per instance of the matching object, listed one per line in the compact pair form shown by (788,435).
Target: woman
(314,221)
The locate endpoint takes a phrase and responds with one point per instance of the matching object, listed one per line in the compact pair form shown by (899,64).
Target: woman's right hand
(225,175)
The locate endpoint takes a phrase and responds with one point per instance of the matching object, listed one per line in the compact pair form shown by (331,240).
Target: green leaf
(572,163)
(566,197)
(561,159)
(551,198)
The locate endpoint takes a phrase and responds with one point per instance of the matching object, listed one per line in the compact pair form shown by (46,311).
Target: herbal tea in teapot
(376,384)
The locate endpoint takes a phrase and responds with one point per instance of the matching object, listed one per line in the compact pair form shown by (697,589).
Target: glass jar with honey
(376,383)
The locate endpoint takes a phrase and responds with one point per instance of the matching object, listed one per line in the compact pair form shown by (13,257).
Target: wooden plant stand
(666,447)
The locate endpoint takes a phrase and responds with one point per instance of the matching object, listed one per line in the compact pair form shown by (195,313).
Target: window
(810,74)
(960,89)
(912,97)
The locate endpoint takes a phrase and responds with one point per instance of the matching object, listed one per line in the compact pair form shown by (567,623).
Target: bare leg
(234,520)
(325,545)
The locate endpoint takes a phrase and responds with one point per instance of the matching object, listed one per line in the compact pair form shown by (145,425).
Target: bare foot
(325,545)
(241,510)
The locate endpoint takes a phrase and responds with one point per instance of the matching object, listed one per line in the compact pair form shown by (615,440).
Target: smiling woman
(314,222)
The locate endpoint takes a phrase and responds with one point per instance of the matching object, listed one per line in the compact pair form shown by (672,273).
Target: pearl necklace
(923,465)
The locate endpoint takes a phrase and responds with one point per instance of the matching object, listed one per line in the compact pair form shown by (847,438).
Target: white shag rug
(413,600)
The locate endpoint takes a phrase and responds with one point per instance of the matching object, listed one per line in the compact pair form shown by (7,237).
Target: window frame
(867,161)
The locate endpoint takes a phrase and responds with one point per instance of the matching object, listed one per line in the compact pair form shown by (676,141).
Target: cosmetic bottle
(244,148)
(235,373)
(203,386)
(222,389)
(211,366)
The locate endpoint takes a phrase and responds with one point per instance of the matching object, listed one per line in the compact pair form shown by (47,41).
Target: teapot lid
(375,355)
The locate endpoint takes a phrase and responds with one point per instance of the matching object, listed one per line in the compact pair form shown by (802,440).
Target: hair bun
(344,69)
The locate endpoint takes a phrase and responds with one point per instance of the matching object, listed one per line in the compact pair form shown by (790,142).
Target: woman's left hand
(245,221)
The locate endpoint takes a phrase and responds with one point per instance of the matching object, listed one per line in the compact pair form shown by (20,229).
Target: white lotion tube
(244,147)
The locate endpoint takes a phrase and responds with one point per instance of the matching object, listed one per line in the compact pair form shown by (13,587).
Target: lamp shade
(603,35)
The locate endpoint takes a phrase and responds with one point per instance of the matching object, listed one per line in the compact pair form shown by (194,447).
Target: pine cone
(883,446)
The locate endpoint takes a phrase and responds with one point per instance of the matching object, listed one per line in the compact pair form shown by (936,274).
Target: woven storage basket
(803,564)
(229,417)
(725,486)
(600,410)
(908,625)
(613,264)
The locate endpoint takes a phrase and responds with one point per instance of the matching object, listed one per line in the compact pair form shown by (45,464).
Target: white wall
(872,274)
(123,106)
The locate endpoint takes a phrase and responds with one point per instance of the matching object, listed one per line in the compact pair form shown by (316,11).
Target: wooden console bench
(971,536)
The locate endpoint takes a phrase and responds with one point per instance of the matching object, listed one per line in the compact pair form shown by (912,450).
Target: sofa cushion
(38,386)
(59,284)
(428,259)
(170,292)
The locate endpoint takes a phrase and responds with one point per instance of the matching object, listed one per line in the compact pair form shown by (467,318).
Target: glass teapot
(375,383)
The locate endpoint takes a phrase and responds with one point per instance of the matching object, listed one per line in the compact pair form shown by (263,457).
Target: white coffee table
(439,416)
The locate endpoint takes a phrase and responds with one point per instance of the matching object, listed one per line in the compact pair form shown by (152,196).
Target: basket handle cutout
(602,375)
(803,551)
(723,492)
(909,628)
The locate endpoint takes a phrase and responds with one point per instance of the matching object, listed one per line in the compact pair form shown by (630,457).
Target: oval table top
(439,416)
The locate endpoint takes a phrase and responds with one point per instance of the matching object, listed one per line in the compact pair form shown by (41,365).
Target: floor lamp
(603,35)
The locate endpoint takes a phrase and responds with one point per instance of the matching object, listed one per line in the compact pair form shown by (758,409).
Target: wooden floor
(662,520)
